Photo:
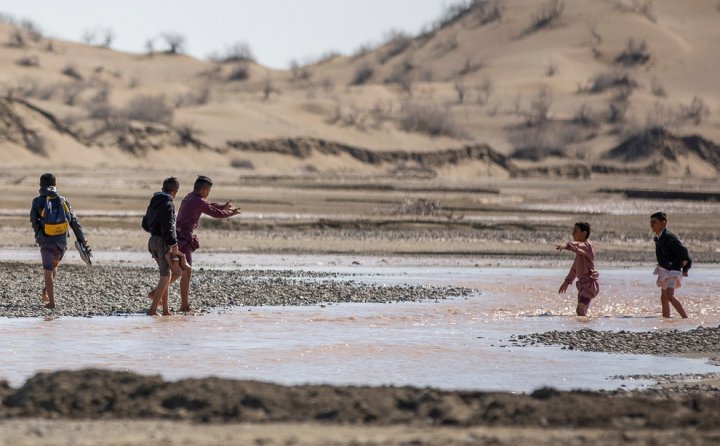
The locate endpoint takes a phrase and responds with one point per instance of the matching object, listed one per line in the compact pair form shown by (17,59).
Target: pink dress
(584,269)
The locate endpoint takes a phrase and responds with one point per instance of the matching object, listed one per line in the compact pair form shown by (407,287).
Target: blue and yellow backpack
(55,216)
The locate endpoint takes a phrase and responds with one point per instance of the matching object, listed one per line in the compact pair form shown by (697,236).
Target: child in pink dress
(583,267)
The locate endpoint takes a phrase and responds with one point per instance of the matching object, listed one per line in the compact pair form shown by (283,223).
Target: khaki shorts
(158,248)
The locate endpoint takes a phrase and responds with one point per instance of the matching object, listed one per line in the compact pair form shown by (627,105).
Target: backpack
(54,217)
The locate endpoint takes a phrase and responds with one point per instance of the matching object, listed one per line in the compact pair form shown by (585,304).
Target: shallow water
(456,343)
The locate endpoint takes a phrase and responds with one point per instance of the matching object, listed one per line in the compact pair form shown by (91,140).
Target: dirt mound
(305,147)
(659,143)
(100,394)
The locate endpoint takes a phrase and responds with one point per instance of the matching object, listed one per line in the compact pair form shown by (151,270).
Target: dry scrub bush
(400,72)
(540,107)
(607,80)
(28,61)
(348,116)
(239,72)
(633,54)
(586,116)
(485,90)
(71,71)
(36,143)
(460,90)
(470,66)
(363,74)
(299,73)
(429,119)
(200,96)
(396,43)
(550,68)
(149,109)
(642,7)
(545,15)
(16,40)
(696,112)
(487,11)
(657,88)
(237,52)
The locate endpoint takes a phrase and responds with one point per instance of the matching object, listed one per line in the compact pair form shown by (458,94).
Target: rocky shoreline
(122,290)
(701,340)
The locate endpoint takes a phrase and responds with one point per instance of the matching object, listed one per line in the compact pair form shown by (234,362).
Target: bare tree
(486,89)
(546,14)
(540,107)
(175,42)
(461,90)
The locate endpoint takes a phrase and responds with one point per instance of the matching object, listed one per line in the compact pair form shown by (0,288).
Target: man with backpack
(51,215)
(159,221)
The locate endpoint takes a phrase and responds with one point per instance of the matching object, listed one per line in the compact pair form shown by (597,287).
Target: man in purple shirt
(193,205)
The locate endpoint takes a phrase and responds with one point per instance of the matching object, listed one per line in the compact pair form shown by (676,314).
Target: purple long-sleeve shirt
(192,206)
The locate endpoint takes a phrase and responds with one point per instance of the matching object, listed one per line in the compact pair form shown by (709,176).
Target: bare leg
(45,297)
(49,288)
(665,302)
(581,309)
(185,290)
(165,299)
(675,303)
(158,294)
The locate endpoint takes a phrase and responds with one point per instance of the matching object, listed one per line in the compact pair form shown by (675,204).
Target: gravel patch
(701,340)
(82,291)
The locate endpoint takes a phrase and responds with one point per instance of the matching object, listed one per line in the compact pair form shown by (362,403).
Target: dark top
(670,252)
(38,204)
(159,218)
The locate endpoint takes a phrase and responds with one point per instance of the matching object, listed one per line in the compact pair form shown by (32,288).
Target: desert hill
(545,87)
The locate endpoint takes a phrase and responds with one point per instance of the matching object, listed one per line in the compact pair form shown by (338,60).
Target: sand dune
(557,90)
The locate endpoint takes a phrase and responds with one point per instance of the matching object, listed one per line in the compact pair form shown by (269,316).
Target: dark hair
(201,182)
(659,216)
(47,179)
(170,185)
(583,227)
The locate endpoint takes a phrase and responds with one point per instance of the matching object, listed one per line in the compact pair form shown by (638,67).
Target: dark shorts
(158,248)
(186,245)
(52,253)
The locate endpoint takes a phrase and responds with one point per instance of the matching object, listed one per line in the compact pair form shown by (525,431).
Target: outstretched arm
(217,210)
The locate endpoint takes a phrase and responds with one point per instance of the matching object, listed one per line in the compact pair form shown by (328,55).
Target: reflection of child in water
(583,267)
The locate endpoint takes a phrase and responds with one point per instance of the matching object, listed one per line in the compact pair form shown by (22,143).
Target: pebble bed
(704,340)
(82,291)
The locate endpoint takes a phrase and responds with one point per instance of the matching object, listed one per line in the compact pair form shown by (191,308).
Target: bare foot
(153,313)
(167,313)
(186,310)
(50,306)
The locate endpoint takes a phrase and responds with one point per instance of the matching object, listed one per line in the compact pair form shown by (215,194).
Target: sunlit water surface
(459,343)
